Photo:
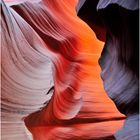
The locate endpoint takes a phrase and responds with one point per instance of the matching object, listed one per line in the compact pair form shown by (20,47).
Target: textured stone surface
(120,56)
(51,76)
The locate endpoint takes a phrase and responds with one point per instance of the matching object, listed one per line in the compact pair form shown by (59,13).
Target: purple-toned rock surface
(119,60)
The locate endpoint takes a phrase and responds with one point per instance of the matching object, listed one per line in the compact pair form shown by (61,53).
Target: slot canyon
(69,69)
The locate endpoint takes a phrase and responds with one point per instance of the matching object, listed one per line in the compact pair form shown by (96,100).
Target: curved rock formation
(50,75)
(26,74)
(120,57)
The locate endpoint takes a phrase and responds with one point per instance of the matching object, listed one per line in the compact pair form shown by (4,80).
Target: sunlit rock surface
(119,60)
(50,75)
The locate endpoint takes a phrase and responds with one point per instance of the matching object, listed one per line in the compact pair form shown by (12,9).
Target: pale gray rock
(26,75)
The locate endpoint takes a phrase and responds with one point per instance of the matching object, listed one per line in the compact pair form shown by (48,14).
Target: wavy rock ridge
(50,75)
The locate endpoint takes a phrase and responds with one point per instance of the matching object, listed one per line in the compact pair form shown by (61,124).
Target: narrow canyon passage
(45,45)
